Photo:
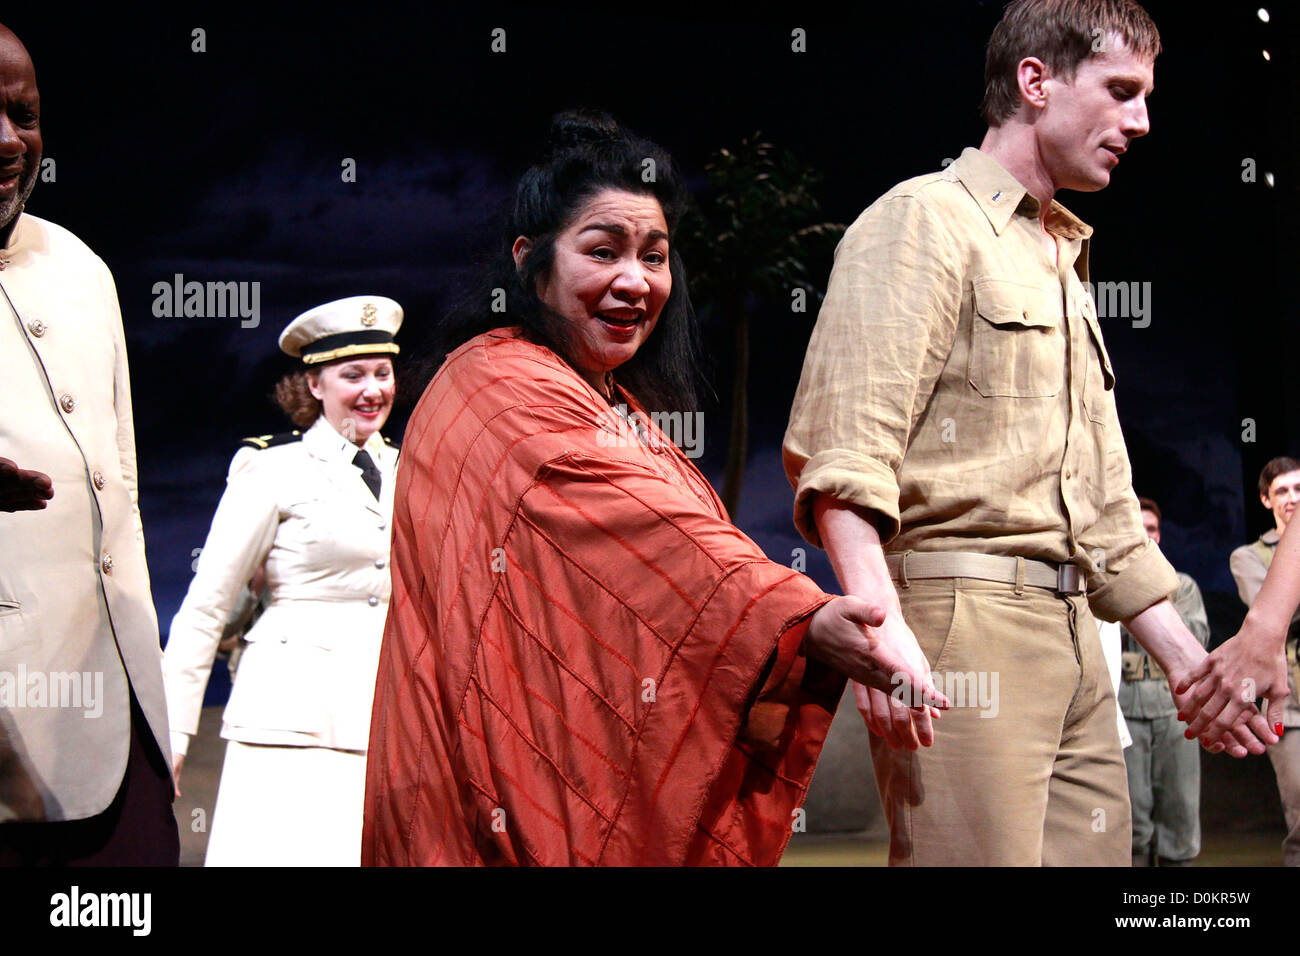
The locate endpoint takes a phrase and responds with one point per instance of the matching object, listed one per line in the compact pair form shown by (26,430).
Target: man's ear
(1263,500)
(520,251)
(1031,75)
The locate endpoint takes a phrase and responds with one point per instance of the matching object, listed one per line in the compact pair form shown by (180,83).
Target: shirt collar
(1270,536)
(1001,196)
(324,441)
(16,235)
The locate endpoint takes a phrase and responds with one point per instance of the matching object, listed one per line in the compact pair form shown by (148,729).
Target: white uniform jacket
(76,615)
(307,677)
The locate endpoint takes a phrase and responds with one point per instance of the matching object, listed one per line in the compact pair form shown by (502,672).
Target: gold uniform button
(67,402)
(98,480)
(37,327)
(107,564)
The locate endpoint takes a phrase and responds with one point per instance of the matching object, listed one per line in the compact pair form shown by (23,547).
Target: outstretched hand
(22,490)
(892,682)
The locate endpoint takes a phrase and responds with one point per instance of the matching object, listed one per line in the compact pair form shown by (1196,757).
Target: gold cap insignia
(368,315)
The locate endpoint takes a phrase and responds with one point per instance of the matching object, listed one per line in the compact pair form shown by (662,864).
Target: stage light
(1262,14)
(1268,178)
(1266,56)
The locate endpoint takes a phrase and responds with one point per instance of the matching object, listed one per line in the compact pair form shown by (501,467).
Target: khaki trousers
(1026,768)
(1285,756)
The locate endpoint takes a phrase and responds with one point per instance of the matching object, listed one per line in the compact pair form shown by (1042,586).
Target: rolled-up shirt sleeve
(1129,571)
(883,334)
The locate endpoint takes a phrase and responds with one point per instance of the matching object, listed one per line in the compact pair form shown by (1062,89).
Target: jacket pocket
(1016,349)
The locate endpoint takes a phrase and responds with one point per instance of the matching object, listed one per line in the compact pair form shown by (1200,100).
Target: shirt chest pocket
(1098,387)
(1016,347)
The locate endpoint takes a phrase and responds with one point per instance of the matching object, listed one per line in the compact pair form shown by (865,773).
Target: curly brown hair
(296,400)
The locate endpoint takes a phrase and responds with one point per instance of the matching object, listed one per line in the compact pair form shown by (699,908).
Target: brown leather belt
(918,565)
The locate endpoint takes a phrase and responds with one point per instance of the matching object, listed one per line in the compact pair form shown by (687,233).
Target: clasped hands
(1217,696)
(891,678)
(1216,693)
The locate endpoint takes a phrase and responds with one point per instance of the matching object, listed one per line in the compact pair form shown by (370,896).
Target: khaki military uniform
(957,387)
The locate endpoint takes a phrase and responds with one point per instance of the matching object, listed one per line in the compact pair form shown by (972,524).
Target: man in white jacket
(84,752)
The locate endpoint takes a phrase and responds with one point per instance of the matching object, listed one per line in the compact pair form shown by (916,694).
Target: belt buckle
(1067,579)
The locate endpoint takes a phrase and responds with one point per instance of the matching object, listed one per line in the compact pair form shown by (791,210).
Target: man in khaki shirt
(954,446)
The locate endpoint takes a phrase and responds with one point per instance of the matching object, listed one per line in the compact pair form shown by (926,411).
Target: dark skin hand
(17,790)
(22,490)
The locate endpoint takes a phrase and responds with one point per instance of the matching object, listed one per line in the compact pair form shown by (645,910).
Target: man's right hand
(878,652)
(178,761)
(18,790)
(22,490)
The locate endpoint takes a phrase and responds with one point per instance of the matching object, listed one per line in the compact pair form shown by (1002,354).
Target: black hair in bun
(576,128)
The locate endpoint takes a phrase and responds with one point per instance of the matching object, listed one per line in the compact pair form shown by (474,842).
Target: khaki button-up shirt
(957,386)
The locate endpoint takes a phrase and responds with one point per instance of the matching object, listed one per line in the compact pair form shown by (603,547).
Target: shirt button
(37,327)
(106,564)
(372,600)
(379,562)
(1067,473)
(98,480)
(67,402)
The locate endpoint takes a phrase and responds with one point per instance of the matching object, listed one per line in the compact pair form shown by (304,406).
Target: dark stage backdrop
(226,165)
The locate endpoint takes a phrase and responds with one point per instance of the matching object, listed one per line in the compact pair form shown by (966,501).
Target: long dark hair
(586,152)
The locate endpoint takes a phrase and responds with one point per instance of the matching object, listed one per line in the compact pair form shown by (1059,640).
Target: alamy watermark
(82,690)
(208,300)
(1122,300)
(963,689)
(623,429)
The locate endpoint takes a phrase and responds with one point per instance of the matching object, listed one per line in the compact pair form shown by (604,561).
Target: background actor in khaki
(957,398)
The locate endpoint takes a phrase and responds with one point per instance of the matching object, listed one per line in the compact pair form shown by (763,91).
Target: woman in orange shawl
(585,662)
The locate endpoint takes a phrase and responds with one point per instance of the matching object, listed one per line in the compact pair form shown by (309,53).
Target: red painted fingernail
(1277,729)
(1189,735)
(1182,718)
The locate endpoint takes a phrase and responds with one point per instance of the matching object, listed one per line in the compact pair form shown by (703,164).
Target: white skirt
(288,806)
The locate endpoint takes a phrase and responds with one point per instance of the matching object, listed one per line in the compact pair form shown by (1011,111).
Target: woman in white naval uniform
(314,509)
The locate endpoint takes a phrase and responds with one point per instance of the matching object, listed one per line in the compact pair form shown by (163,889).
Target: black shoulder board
(270,441)
(389,441)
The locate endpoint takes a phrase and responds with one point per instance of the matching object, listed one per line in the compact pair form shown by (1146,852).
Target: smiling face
(20,129)
(609,279)
(1088,122)
(357,395)
(1282,498)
